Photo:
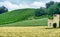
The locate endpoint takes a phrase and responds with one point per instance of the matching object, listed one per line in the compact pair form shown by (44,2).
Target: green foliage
(53,9)
(3,9)
(50,17)
(40,17)
(40,12)
(49,4)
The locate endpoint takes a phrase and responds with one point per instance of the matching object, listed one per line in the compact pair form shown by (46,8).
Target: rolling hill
(34,22)
(21,17)
(16,15)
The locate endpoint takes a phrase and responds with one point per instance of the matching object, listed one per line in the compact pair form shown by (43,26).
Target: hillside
(16,15)
(22,17)
(34,22)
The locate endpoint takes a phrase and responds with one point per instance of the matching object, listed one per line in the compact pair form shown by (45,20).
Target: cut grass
(33,22)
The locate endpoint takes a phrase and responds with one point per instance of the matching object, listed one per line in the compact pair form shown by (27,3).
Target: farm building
(54,23)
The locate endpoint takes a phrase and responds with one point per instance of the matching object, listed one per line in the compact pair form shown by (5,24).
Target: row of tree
(51,8)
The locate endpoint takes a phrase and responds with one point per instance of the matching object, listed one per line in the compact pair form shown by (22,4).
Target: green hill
(22,17)
(34,22)
(16,15)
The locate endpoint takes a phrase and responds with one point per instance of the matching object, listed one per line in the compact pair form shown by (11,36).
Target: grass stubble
(38,31)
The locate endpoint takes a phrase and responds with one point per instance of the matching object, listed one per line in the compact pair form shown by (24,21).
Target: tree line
(51,8)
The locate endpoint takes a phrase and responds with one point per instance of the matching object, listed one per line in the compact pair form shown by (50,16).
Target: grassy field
(37,31)
(33,22)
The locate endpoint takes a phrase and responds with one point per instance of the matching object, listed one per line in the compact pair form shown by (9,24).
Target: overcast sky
(19,4)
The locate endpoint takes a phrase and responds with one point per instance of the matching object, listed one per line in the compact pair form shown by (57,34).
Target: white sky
(15,4)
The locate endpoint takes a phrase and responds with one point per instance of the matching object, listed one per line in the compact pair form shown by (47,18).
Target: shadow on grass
(51,28)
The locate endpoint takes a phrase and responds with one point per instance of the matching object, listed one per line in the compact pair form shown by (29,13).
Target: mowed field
(37,31)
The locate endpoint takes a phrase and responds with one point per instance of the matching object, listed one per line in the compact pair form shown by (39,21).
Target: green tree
(40,12)
(3,9)
(54,9)
(58,7)
(49,4)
